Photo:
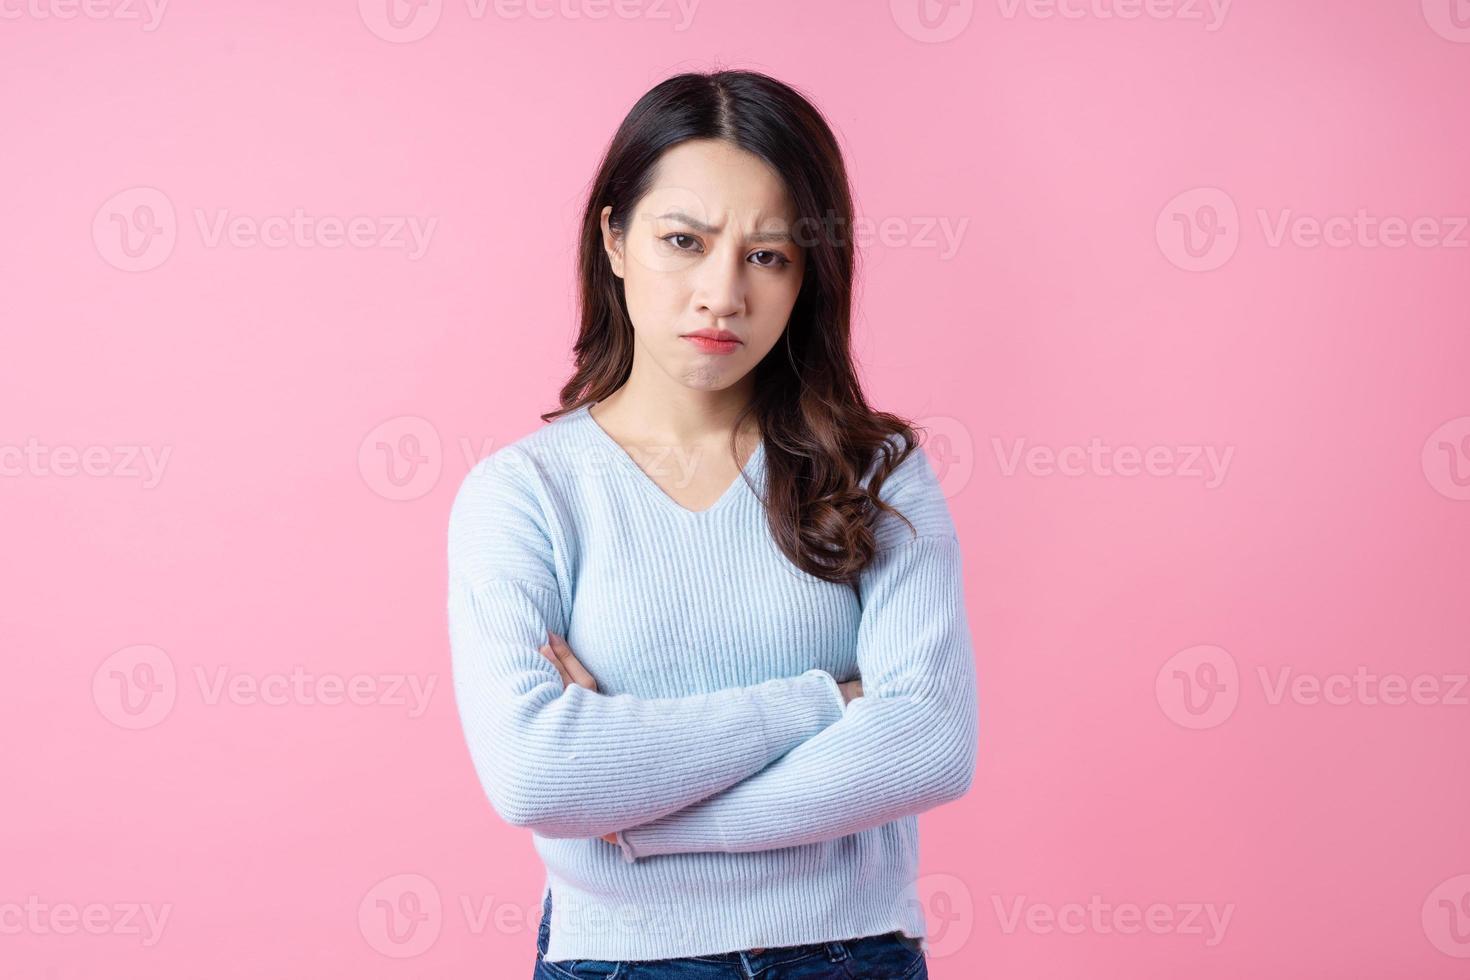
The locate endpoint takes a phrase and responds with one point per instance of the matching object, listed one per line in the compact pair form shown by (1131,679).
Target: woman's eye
(772,260)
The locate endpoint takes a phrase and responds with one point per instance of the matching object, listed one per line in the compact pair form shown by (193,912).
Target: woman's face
(709,247)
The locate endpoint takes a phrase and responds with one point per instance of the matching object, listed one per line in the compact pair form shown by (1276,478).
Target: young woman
(708,624)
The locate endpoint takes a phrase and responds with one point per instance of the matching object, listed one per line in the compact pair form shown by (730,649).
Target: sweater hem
(805,932)
(802,906)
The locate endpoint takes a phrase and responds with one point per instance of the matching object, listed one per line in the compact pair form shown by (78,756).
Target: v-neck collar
(752,465)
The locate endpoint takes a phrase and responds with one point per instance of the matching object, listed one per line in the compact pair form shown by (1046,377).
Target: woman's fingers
(571,664)
(545,651)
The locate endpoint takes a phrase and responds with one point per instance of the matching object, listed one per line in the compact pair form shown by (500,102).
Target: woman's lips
(711,346)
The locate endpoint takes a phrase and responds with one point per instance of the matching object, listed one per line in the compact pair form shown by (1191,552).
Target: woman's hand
(566,664)
(850,690)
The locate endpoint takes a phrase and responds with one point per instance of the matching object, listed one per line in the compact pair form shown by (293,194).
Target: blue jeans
(891,956)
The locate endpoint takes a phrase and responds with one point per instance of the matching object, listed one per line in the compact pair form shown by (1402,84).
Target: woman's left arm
(907,745)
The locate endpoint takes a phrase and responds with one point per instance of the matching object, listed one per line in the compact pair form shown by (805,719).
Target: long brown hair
(821,436)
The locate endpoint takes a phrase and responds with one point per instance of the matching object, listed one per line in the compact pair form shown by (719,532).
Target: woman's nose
(722,288)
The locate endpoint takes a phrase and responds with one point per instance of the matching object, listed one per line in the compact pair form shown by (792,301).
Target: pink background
(1115,186)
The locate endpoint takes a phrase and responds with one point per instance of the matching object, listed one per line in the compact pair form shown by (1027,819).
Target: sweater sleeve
(570,762)
(907,745)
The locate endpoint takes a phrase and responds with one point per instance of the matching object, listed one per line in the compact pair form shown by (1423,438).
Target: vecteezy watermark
(405,21)
(401,916)
(1195,462)
(148,13)
(35,917)
(1211,13)
(951,450)
(1364,687)
(302,687)
(1200,229)
(1097,917)
(137,687)
(402,458)
(1446,458)
(1450,19)
(409,233)
(937,21)
(938,233)
(1362,229)
(136,230)
(943,909)
(932,21)
(1446,916)
(124,462)
(679,211)
(1199,687)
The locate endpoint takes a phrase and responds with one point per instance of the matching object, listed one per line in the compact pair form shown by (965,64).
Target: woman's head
(711,245)
(722,203)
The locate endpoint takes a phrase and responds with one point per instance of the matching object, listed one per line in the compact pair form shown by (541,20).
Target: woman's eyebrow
(776,237)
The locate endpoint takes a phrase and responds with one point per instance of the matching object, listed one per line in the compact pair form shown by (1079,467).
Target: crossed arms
(776,764)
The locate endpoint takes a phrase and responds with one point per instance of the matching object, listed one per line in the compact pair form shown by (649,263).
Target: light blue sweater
(755,809)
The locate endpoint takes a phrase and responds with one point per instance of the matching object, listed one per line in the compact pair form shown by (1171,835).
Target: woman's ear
(611,243)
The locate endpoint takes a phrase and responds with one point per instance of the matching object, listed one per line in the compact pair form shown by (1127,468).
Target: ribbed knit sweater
(755,809)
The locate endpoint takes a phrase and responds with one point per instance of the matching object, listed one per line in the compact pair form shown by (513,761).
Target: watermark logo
(401,916)
(148,13)
(1201,686)
(941,234)
(1450,19)
(1205,920)
(135,687)
(302,687)
(948,911)
(39,460)
(682,228)
(1199,229)
(135,230)
(401,459)
(1446,458)
(408,233)
(950,449)
(1364,687)
(1446,916)
(1192,461)
(1211,13)
(932,21)
(35,917)
(405,21)
(400,21)
(1362,229)
(1198,687)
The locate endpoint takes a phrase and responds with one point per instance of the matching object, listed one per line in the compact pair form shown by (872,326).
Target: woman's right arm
(573,762)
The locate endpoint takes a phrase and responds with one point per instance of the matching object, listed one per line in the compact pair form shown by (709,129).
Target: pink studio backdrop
(1179,291)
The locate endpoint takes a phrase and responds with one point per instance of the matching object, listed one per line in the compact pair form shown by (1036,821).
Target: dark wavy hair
(821,436)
